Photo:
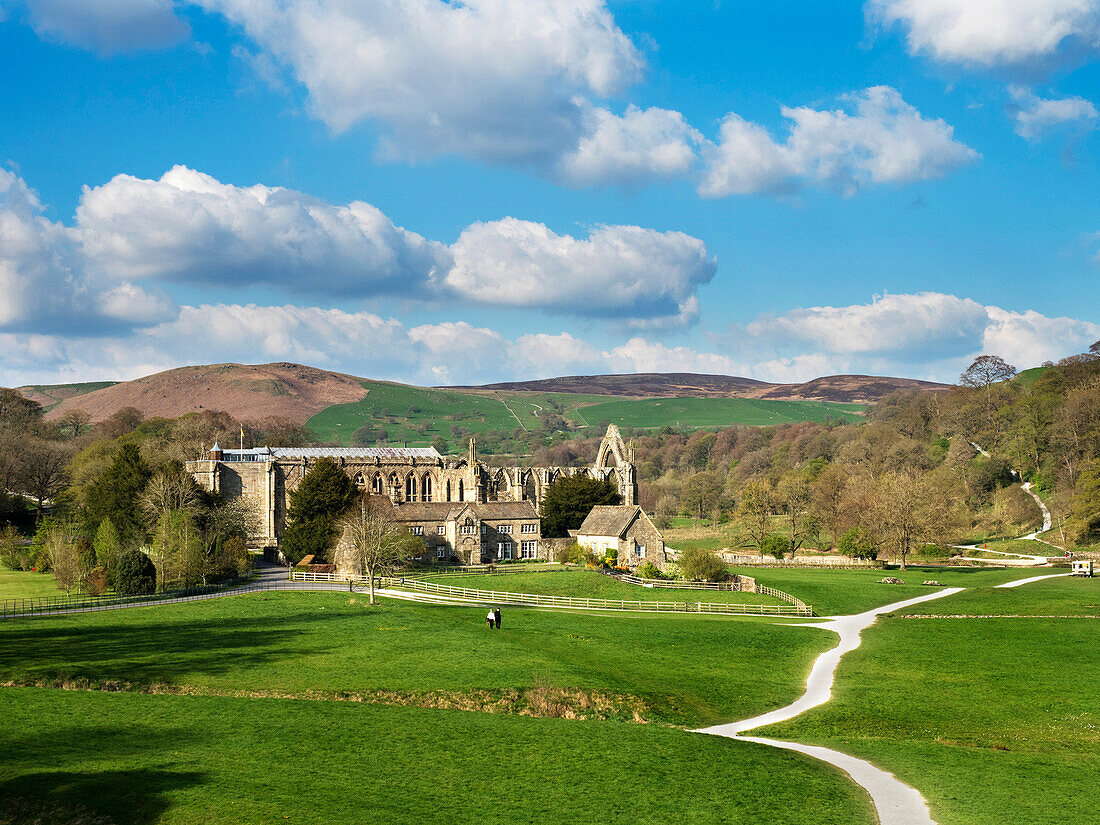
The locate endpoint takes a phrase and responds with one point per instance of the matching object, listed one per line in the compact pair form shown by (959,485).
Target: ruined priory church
(266,476)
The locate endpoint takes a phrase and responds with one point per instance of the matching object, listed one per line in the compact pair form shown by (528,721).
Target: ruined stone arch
(411,487)
(426,487)
(360,481)
(378,485)
(612,451)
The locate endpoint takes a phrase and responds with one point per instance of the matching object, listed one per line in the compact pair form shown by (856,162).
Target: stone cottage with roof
(626,529)
(471,533)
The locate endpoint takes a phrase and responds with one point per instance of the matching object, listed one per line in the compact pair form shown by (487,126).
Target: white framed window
(505,549)
(467,529)
(639,550)
(528,549)
(416,530)
(529,528)
(441,552)
(441,530)
(505,529)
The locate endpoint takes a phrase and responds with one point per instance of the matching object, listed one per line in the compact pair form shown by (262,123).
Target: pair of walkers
(492,618)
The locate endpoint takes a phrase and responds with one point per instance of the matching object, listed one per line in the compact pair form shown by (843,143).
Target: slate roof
(609,520)
(440,511)
(353,453)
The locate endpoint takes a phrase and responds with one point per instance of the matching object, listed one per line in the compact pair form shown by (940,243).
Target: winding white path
(895,802)
(1018,582)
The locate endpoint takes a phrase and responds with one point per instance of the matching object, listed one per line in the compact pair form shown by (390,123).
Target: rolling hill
(247,392)
(847,389)
(335,405)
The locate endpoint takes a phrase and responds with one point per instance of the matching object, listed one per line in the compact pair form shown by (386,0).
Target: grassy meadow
(1058,596)
(993,720)
(170,759)
(24,584)
(685,670)
(301,707)
(587,584)
(652,413)
(417,415)
(840,592)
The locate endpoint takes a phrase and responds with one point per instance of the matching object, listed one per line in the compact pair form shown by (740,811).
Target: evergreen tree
(320,500)
(116,495)
(135,574)
(570,499)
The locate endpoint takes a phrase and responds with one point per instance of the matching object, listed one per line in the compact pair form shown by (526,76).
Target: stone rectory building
(466,508)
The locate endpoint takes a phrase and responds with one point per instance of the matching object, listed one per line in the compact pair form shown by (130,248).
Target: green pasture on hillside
(417,415)
(169,759)
(652,413)
(994,720)
(689,670)
(411,414)
(586,584)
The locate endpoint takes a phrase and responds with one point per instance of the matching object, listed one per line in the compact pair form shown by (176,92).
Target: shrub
(610,557)
(577,554)
(699,564)
(935,551)
(648,570)
(135,574)
(858,544)
(775,545)
(95,583)
(12,552)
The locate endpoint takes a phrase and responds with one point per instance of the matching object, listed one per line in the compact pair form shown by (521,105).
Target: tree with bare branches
(372,543)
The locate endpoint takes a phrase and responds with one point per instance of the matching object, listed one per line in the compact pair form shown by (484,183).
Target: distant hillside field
(50,395)
(652,413)
(847,389)
(417,416)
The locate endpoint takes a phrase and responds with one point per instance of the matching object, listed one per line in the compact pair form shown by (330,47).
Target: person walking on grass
(490,618)
(496,615)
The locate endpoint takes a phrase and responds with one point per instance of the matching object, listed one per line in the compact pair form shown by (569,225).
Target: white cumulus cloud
(1027,34)
(642,144)
(106,26)
(493,79)
(882,140)
(617,271)
(1036,115)
(189,227)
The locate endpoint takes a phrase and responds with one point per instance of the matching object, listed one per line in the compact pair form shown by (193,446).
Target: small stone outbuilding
(624,528)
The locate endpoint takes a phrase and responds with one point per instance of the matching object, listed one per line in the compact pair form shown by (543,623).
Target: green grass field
(417,415)
(165,759)
(295,643)
(652,413)
(592,585)
(839,592)
(1060,596)
(994,720)
(23,584)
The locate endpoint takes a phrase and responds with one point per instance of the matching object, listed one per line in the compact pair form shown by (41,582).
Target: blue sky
(450,193)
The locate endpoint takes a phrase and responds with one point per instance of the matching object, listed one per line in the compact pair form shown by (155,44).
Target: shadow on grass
(49,783)
(152,651)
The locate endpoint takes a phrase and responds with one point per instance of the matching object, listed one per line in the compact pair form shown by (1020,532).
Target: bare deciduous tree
(371,542)
(756,504)
(64,559)
(45,470)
